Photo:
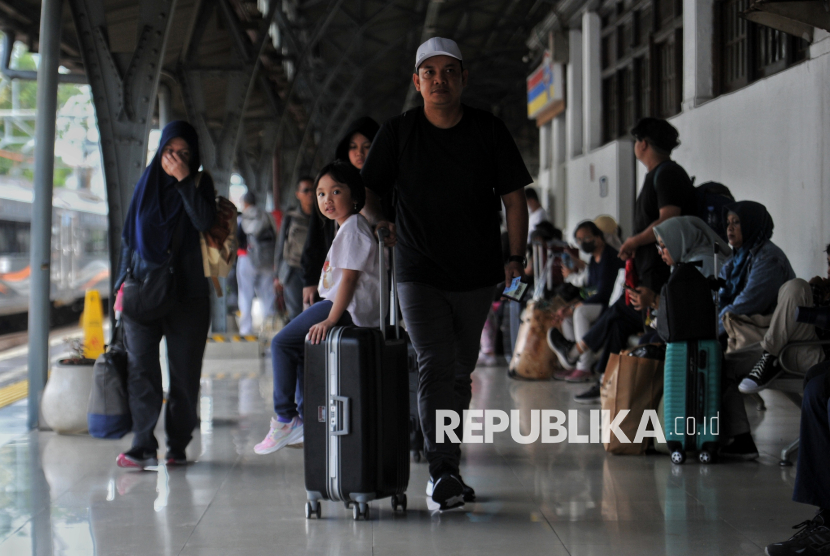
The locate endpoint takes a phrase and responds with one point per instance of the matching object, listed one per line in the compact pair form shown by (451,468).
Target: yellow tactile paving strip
(223,338)
(14,392)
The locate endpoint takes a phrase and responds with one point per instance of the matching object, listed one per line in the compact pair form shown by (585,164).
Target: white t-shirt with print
(354,248)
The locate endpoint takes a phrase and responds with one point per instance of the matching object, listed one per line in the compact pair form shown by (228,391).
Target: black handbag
(108,412)
(151,297)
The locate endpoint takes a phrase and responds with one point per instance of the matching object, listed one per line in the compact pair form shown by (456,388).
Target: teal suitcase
(691,399)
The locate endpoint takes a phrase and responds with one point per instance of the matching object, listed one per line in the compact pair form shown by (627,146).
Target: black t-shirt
(671,187)
(447,185)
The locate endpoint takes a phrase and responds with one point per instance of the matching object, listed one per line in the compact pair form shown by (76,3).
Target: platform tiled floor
(64,496)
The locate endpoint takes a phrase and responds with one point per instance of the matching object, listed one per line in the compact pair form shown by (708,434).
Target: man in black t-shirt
(451,167)
(667,192)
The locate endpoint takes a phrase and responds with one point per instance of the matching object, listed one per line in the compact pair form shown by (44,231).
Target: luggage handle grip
(339,420)
(383,233)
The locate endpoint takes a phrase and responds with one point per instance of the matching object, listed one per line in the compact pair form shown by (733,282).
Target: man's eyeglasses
(306,191)
(660,249)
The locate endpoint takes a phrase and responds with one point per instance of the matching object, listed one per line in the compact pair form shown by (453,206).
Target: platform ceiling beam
(124,88)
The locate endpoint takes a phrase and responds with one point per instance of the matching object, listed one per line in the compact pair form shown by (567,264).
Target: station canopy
(323,63)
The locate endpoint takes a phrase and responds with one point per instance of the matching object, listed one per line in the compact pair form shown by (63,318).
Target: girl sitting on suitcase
(349,286)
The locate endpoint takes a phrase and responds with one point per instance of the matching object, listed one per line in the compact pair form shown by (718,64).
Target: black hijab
(756,228)
(156,205)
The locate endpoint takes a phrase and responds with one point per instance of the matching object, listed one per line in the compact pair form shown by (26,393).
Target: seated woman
(783,329)
(684,239)
(578,317)
(759,267)
(754,274)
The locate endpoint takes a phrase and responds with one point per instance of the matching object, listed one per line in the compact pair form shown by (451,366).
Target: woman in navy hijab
(170,191)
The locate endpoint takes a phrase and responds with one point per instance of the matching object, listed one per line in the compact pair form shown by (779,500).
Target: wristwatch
(517,259)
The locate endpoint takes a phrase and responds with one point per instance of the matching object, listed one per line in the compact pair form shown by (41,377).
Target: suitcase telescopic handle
(386,289)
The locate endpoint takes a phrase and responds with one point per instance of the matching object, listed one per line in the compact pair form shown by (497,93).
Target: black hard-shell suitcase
(356,416)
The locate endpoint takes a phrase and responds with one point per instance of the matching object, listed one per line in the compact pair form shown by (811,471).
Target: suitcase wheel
(706,456)
(312,509)
(678,457)
(399,501)
(415,455)
(360,510)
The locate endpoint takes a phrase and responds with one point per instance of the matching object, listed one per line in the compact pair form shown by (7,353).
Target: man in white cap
(451,167)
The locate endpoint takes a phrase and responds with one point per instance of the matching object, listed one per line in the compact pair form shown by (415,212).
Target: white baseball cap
(437,46)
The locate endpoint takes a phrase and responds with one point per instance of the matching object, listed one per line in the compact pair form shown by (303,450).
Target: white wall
(770,142)
(583,201)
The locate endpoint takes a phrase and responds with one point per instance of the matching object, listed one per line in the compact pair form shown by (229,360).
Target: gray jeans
(445,329)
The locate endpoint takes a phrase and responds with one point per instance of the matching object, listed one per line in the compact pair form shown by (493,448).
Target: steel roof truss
(124,104)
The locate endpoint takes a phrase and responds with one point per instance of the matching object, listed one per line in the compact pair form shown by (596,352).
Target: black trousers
(185,327)
(445,329)
(812,480)
(612,330)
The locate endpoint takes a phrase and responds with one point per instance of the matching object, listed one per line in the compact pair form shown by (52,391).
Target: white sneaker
(280,435)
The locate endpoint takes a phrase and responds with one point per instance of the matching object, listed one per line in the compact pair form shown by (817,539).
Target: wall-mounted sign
(545,86)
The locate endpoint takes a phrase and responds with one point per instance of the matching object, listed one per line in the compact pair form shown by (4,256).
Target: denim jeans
(288,357)
(445,329)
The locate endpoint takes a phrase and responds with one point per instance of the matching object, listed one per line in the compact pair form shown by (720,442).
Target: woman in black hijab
(753,276)
(352,148)
(758,267)
(169,206)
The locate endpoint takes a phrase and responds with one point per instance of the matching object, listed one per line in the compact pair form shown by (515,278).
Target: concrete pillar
(545,147)
(557,169)
(41,252)
(573,102)
(698,30)
(591,80)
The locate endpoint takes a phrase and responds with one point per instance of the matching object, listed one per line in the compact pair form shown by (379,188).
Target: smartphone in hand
(516,290)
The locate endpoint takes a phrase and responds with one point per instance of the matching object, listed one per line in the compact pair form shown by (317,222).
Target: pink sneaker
(129,461)
(562,374)
(280,435)
(580,376)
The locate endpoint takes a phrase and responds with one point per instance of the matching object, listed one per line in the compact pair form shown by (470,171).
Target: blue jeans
(288,357)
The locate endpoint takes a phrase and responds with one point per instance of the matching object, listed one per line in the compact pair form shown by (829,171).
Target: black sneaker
(467,491)
(589,396)
(446,491)
(175,457)
(742,447)
(812,540)
(562,347)
(764,372)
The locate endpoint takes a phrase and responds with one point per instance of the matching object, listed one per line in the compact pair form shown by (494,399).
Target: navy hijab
(756,228)
(156,205)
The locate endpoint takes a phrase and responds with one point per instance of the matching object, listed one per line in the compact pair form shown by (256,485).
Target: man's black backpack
(710,198)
